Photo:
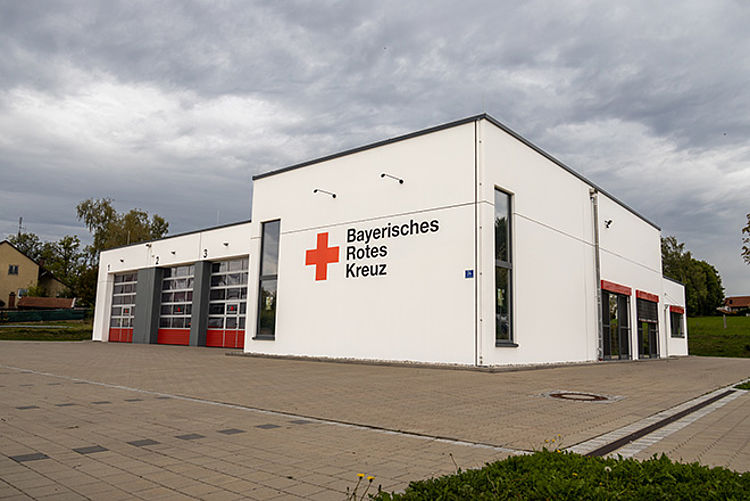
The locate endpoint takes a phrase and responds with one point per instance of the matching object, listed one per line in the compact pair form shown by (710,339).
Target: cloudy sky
(172,106)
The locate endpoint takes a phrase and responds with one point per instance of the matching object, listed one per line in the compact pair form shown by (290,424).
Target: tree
(28,243)
(746,241)
(65,260)
(675,259)
(703,289)
(112,229)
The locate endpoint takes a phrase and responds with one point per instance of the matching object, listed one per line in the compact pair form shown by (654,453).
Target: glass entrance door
(648,326)
(615,326)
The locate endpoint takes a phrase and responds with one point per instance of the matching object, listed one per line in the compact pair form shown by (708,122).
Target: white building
(460,244)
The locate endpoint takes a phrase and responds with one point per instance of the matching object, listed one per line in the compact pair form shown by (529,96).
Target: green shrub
(552,475)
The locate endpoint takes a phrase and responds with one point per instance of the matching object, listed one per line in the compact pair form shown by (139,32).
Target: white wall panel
(421,310)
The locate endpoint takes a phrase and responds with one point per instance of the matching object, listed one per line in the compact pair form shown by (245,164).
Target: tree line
(703,289)
(78,267)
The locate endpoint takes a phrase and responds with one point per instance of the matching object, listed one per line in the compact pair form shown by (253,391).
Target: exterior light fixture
(122,260)
(333,195)
(400,181)
(226,244)
(607,223)
(173,252)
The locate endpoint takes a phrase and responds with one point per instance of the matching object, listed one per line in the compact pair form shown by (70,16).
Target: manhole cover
(579,396)
(583,397)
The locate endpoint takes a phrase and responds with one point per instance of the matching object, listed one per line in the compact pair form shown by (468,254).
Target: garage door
(176,305)
(123,308)
(227,304)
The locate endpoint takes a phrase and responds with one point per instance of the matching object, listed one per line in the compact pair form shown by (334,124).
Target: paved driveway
(152,421)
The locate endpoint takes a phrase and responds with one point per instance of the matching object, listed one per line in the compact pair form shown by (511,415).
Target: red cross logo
(321,256)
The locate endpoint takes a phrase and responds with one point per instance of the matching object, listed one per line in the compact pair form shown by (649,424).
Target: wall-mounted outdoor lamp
(607,223)
(400,181)
(226,244)
(316,190)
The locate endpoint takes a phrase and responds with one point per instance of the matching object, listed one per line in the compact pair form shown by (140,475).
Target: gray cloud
(172,106)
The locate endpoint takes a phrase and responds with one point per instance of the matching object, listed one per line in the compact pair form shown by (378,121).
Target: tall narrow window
(503,270)
(269,265)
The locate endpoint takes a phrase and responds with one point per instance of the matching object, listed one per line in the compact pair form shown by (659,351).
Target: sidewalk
(265,428)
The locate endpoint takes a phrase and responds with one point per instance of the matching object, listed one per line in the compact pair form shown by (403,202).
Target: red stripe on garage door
(117,335)
(219,338)
(173,336)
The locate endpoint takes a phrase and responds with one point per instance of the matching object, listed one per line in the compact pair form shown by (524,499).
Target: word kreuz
(354,270)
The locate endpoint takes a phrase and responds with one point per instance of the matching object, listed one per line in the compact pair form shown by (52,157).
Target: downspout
(667,334)
(594,196)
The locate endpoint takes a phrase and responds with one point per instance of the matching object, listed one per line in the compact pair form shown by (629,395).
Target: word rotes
(358,251)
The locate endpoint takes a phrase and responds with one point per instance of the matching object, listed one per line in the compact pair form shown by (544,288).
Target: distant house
(18,273)
(734,304)
(45,303)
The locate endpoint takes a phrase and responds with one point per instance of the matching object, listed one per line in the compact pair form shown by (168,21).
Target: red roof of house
(53,303)
(737,301)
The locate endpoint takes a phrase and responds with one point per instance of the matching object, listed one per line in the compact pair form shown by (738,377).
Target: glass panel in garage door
(176,305)
(227,303)
(123,308)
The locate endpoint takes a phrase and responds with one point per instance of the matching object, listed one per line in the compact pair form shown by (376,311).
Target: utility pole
(20,226)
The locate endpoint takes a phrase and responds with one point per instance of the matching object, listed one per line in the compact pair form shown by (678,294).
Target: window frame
(268,277)
(507,266)
(672,323)
(12,269)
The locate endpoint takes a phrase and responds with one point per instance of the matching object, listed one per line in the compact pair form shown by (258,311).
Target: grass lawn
(58,330)
(707,336)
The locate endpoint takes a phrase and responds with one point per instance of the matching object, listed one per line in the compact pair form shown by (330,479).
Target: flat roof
(475,118)
(179,235)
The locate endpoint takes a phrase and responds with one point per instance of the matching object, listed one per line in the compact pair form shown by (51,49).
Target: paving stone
(327,456)
(90,449)
(190,436)
(144,442)
(231,431)
(29,457)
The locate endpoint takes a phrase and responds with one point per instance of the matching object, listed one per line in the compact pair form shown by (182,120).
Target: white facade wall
(214,245)
(423,309)
(427,308)
(554,292)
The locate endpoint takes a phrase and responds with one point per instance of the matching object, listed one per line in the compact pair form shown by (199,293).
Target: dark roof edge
(371,145)
(456,123)
(561,164)
(180,235)
(673,280)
